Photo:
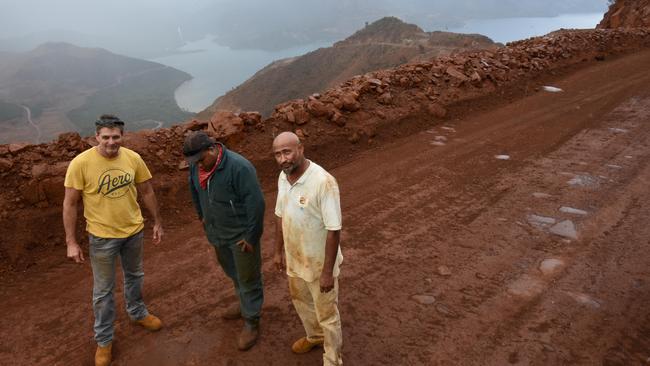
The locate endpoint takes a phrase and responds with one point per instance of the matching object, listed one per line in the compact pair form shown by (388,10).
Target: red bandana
(205,175)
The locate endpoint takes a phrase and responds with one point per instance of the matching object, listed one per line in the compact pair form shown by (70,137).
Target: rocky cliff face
(385,43)
(627,14)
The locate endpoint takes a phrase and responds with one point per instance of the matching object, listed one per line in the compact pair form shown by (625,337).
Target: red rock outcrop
(627,14)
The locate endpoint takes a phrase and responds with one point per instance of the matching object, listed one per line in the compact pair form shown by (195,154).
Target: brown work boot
(103,355)
(247,338)
(150,323)
(303,345)
(232,313)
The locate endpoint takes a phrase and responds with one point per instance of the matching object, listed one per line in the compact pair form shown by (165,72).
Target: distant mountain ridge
(385,43)
(67,87)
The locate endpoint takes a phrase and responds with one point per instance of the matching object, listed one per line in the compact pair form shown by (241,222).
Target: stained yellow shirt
(108,190)
(309,209)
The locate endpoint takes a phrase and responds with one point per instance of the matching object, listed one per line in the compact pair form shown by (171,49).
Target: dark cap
(194,145)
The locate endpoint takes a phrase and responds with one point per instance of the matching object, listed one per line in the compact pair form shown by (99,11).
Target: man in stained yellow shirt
(307,245)
(107,178)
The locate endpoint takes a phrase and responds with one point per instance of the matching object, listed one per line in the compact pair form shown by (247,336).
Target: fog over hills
(66,87)
(147,28)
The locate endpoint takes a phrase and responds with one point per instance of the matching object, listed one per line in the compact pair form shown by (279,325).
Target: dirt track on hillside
(433,214)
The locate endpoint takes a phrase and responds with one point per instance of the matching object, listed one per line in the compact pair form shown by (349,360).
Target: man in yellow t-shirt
(107,178)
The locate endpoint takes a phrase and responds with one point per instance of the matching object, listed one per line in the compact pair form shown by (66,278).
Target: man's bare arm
(278,256)
(150,202)
(70,202)
(331,251)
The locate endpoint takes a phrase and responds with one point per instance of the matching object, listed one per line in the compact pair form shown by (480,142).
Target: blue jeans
(244,269)
(103,253)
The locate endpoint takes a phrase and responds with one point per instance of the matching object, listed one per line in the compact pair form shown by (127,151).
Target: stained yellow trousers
(319,314)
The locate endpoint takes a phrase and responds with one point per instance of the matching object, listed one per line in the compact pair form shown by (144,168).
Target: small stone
(551,89)
(354,137)
(548,347)
(453,72)
(566,229)
(618,130)
(584,299)
(502,157)
(14,148)
(550,266)
(444,271)
(444,310)
(612,166)
(480,276)
(39,170)
(5,164)
(183,165)
(385,98)
(540,221)
(526,286)
(437,143)
(583,181)
(300,133)
(424,299)
(572,210)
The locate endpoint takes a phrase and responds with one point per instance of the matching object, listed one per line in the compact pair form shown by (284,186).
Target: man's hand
(326,282)
(245,246)
(75,253)
(158,233)
(278,260)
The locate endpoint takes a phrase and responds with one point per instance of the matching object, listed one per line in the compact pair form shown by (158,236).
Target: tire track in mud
(508,311)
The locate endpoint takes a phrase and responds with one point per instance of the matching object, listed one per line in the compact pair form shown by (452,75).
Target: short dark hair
(110,121)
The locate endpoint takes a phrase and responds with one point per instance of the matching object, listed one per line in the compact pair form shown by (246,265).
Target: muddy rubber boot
(150,323)
(232,313)
(303,345)
(103,355)
(247,338)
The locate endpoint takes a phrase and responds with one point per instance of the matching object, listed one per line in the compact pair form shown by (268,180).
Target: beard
(290,168)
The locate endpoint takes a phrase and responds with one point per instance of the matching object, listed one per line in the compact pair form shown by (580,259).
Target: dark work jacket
(232,206)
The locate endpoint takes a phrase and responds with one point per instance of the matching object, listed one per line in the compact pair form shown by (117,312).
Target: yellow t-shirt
(108,190)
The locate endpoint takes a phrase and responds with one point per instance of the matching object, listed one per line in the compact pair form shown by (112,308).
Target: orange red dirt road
(449,254)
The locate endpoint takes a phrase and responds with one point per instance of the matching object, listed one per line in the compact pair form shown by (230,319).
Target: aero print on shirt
(114,183)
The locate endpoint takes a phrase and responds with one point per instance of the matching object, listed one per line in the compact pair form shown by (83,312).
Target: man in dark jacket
(229,202)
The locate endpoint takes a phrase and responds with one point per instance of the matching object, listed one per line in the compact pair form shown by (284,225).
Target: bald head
(286,138)
(289,153)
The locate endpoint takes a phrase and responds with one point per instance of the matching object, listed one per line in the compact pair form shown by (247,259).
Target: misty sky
(116,22)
